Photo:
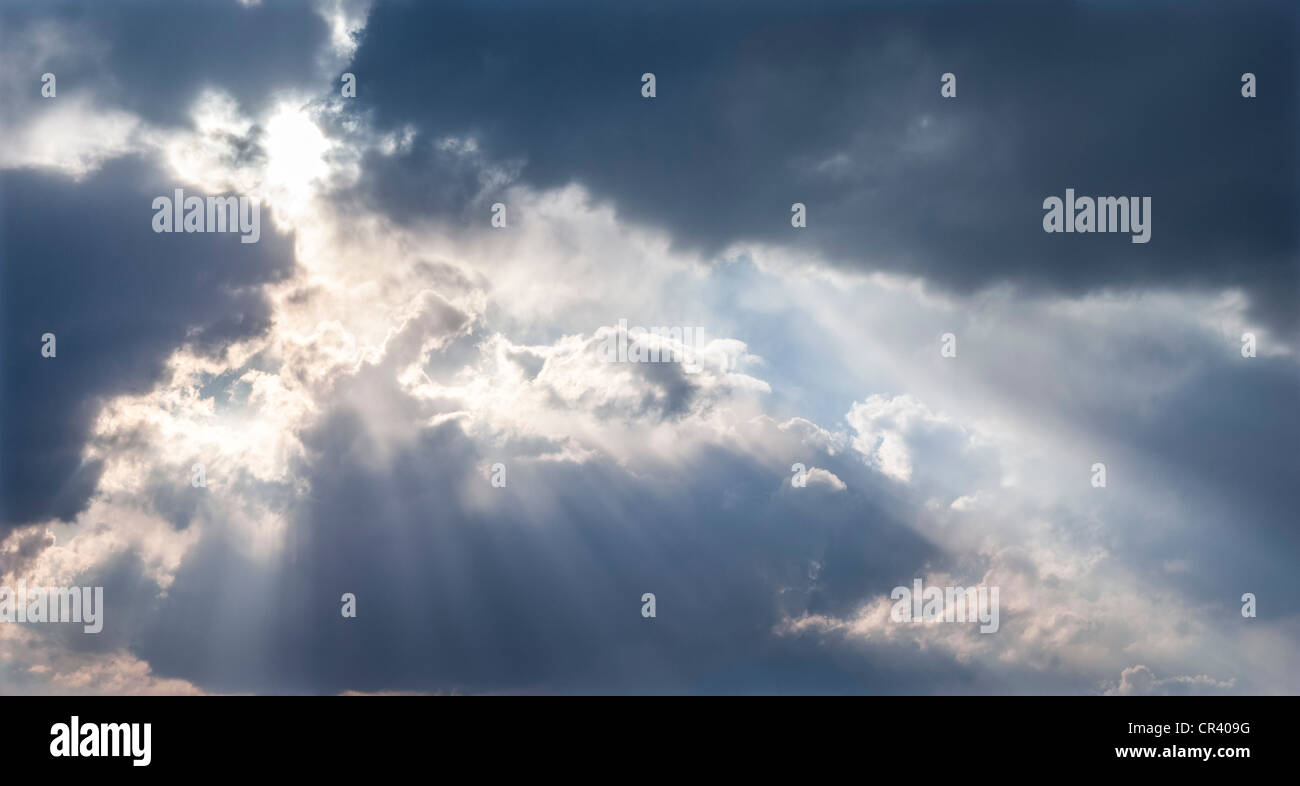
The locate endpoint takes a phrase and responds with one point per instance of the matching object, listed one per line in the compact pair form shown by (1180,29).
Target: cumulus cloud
(1140,681)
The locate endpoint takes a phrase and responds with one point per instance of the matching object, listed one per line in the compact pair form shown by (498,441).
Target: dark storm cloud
(1223,444)
(838,106)
(154,58)
(81,261)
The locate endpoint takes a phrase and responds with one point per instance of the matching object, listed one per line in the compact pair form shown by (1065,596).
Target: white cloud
(822,477)
(1140,681)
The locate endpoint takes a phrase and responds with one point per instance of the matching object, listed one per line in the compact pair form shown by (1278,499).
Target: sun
(295,158)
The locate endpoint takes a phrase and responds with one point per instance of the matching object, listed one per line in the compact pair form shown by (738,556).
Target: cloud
(771,107)
(349,382)
(1140,681)
(821,477)
(82,265)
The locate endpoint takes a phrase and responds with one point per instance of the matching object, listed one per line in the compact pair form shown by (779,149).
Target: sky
(399,392)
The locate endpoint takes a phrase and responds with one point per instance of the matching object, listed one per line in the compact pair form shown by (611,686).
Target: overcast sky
(349,381)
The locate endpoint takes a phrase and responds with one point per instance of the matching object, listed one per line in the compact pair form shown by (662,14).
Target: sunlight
(295,151)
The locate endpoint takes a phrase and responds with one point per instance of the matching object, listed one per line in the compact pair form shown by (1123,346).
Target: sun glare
(295,151)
